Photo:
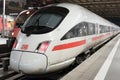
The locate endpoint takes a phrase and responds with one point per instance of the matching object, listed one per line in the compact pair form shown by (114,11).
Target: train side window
(111,28)
(82,30)
(102,28)
(77,31)
(90,28)
(108,29)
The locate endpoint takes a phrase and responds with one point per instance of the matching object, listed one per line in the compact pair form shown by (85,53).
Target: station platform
(104,64)
(3,41)
(4,48)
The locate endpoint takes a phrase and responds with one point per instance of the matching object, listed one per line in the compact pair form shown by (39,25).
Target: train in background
(9,23)
(54,36)
(19,21)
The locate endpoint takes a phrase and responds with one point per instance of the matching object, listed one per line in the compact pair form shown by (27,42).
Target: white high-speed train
(55,35)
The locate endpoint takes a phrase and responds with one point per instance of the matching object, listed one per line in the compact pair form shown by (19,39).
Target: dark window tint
(90,28)
(45,20)
(82,29)
(104,29)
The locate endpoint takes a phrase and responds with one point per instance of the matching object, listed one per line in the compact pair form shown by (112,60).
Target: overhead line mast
(3,20)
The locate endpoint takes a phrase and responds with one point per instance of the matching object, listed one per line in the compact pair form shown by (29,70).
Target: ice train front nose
(28,63)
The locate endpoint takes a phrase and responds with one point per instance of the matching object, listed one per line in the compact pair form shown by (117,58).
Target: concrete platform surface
(3,41)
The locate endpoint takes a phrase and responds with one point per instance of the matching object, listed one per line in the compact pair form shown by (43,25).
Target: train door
(90,33)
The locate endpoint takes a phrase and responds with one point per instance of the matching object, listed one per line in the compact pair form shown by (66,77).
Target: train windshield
(44,20)
(22,17)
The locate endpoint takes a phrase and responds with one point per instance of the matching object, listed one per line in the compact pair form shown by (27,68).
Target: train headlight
(42,47)
(12,33)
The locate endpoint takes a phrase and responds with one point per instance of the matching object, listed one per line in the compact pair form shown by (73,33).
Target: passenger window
(109,29)
(77,31)
(90,28)
(102,30)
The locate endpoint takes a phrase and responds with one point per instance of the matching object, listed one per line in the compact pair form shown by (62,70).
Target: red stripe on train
(69,45)
(101,36)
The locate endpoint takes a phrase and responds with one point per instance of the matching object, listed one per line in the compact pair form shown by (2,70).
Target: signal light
(12,33)
(42,47)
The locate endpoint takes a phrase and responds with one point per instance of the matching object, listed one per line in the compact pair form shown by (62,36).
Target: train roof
(90,16)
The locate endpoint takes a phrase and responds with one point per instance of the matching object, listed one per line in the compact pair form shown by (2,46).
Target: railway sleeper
(0,64)
(2,55)
(7,74)
(5,63)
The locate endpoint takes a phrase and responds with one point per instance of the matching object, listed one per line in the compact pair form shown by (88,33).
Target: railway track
(11,75)
(3,56)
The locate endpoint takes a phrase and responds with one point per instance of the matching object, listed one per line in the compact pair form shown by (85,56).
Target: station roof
(105,8)
(109,9)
